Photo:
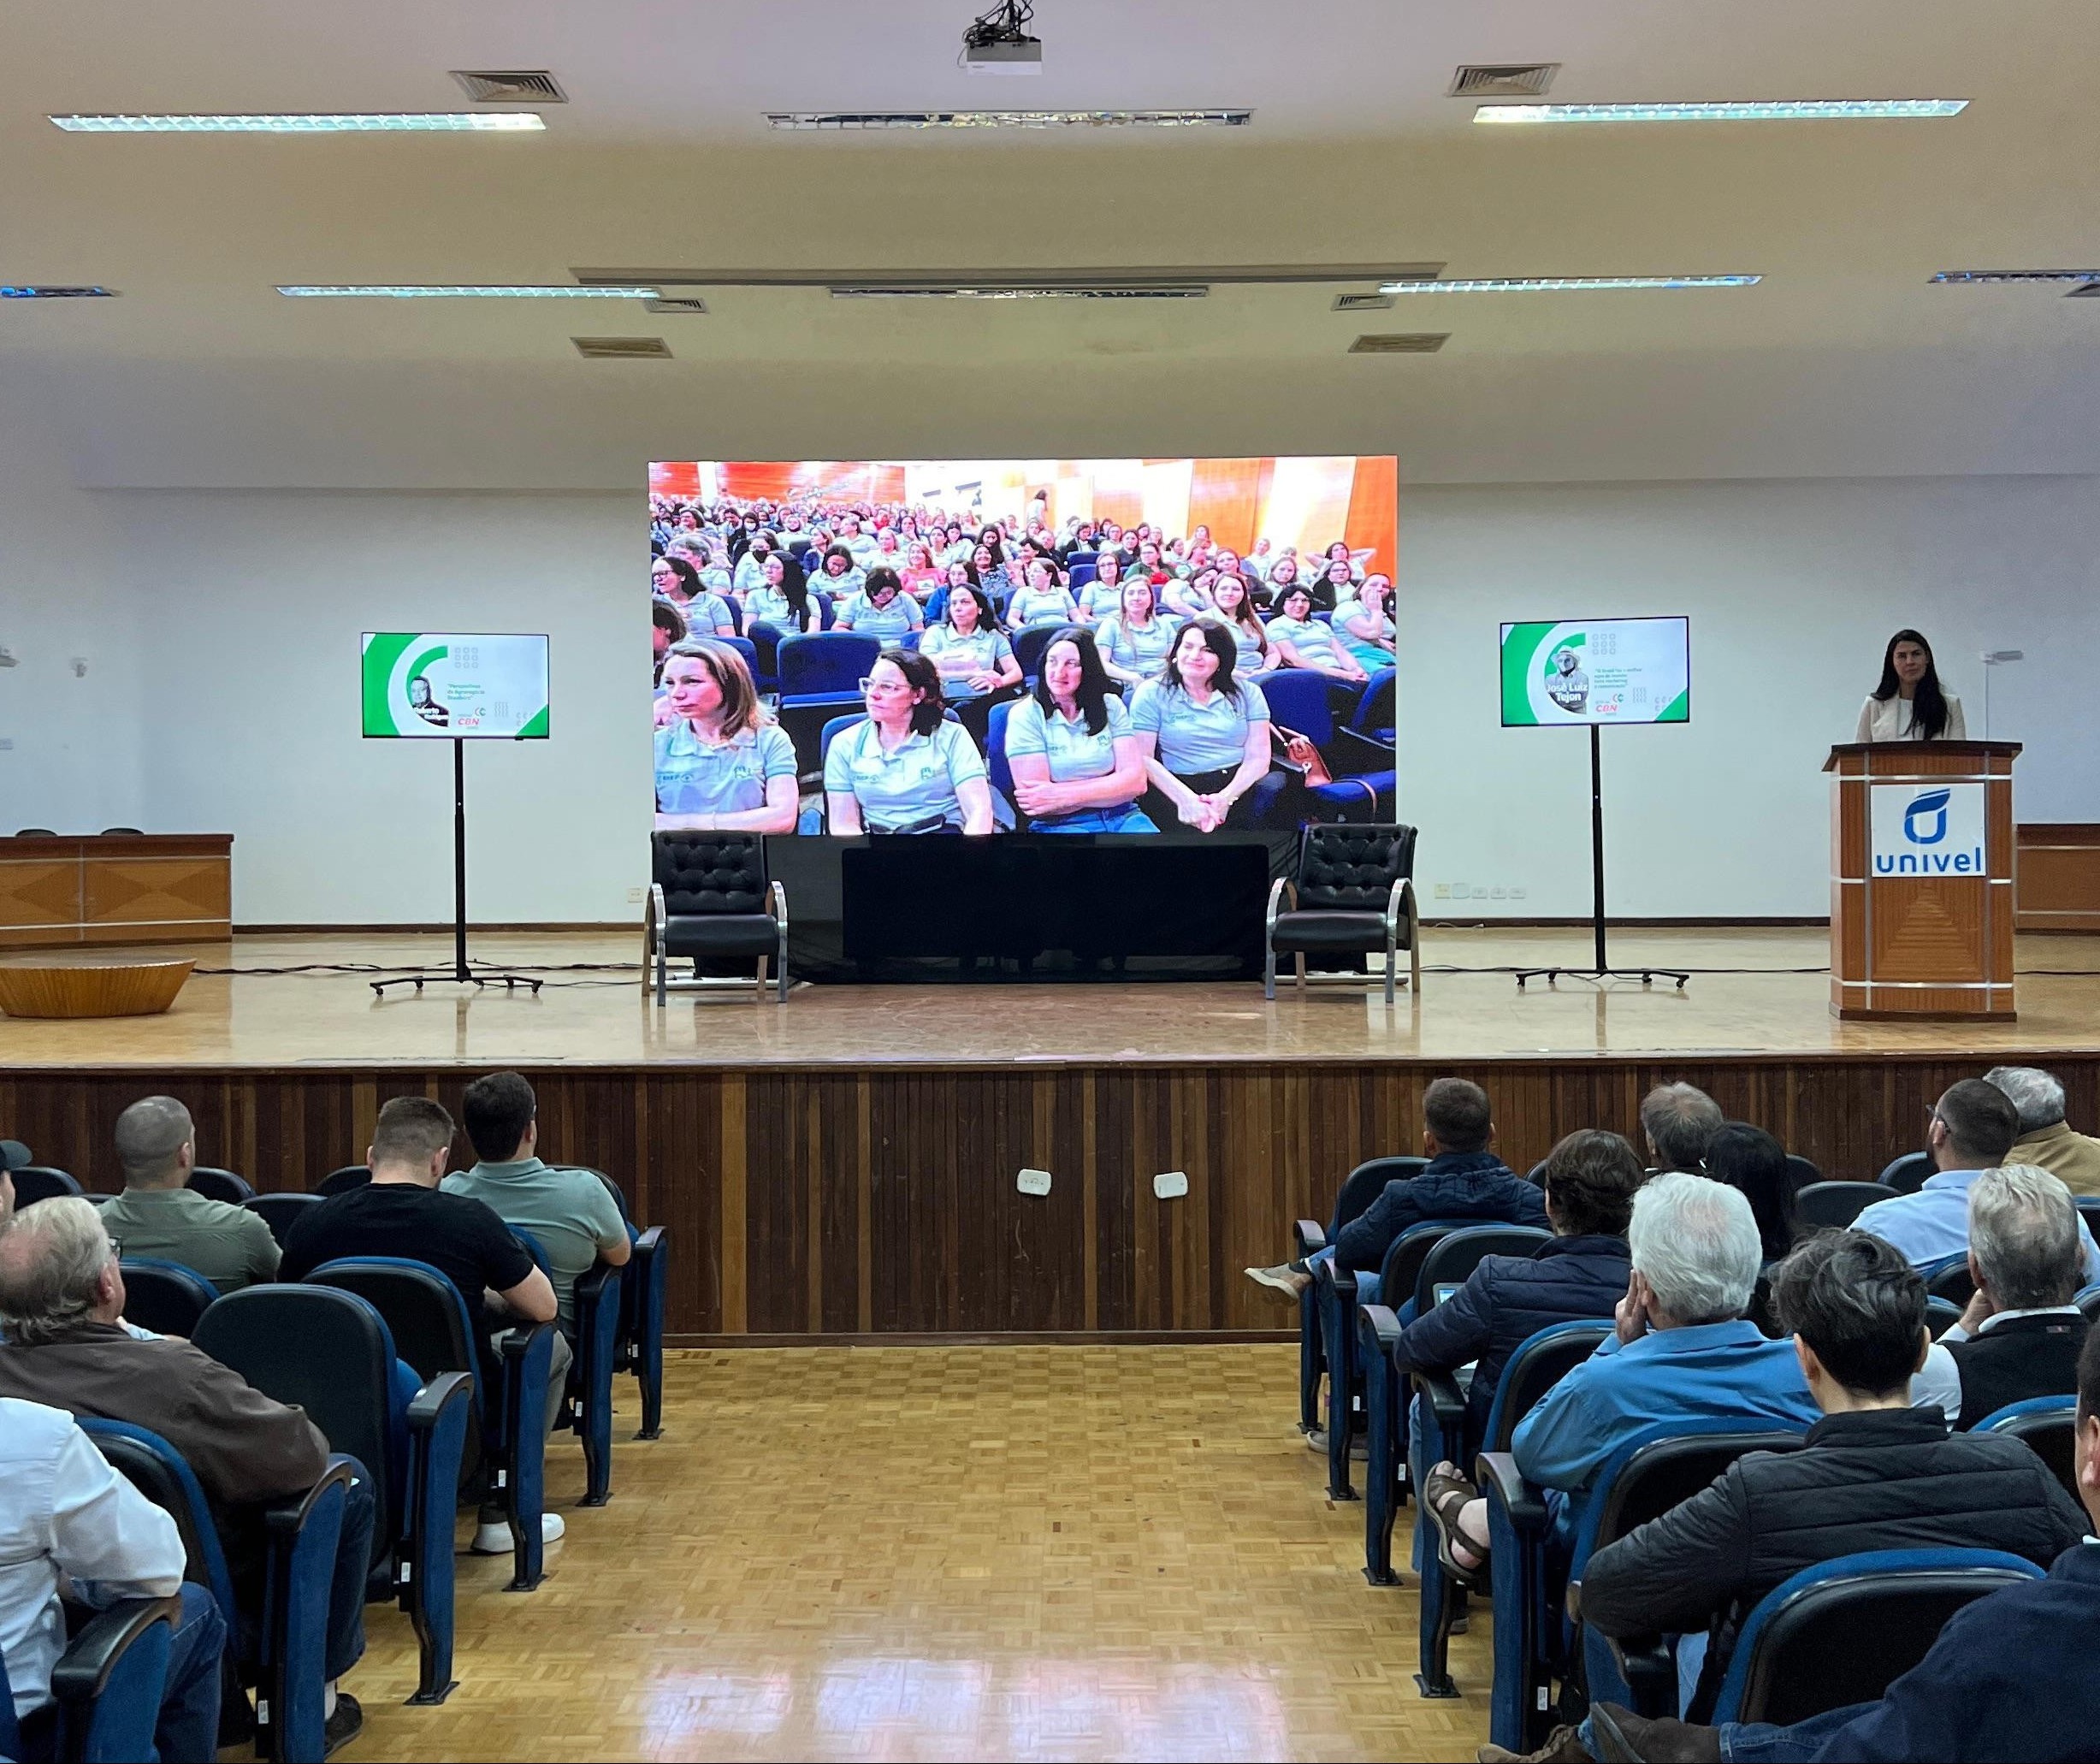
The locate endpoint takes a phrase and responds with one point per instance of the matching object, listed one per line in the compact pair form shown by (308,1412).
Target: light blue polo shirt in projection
(944,646)
(914,782)
(896,620)
(707,615)
(1141,649)
(696,777)
(1074,755)
(768,605)
(1039,606)
(1101,600)
(1248,644)
(1369,654)
(1312,638)
(1197,737)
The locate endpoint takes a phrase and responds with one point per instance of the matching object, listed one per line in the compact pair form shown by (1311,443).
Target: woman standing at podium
(1909,705)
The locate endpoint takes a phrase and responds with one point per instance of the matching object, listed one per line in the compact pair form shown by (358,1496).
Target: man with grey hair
(1683,1350)
(2046,1140)
(62,1308)
(1680,1121)
(158,1214)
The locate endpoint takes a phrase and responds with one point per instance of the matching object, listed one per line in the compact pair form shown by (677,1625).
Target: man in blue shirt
(1683,1350)
(1973,1127)
(2010,1677)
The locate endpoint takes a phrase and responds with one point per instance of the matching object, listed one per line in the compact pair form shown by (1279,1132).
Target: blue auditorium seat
(1363,1185)
(40,1182)
(107,1685)
(281,1210)
(220,1184)
(2049,1426)
(164,1296)
(1364,781)
(587,1404)
(1908,1174)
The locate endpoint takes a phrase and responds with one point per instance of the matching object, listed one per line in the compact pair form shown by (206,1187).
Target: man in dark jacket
(2010,1677)
(2021,1333)
(1464,1179)
(1874,1473)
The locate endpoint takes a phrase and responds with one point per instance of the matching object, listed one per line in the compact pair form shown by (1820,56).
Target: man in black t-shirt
(401,1212)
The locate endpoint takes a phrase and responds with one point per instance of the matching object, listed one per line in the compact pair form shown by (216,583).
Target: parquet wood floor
(956,1552)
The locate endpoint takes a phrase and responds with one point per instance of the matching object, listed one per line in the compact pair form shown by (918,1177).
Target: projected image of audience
(1132,647)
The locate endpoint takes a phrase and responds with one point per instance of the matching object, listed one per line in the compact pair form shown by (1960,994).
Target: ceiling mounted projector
(997,41)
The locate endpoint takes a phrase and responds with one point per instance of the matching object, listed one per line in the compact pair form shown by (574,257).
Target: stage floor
(1754,991)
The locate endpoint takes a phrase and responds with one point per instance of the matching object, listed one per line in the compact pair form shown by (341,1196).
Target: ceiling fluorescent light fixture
(1987,277)
(1782,110)
(1162,291)
(834,121)
(51,291)
(1567,284)
(345,123)
(374,291)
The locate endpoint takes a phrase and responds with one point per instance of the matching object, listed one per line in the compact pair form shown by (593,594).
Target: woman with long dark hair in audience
(1233,606)
(678,582)
(1151,563)
(1205,734)
(1365,624)
(667,627)
(1748,1159)
(1040,598)
(721,762)
(976,661)
(1078,765)
(881,609)
(782,597)
(1137,640)
(1910,704)
(905,769)
(1189,597)
(838,576)
(746,575)
(1302,641)
(959,574)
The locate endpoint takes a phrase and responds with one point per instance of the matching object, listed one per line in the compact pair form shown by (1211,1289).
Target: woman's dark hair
(837,550)
(665,618)
(795,589)
(1095,685)
(1754,1163)
(1110,559)
(1219,641)
(962,564)
(921,674)
(989,540)
(1858,1302)
(1589,1180)
(987,614)
(689,577)
(882,576)
(1928,704)
(1290,592)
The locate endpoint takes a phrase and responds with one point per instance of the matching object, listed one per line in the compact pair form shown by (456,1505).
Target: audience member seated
(1680,1121)
(1972,1129)
(402,1212)
(158,1216)
(1589,1179)
(571,1213)
(64,1512)
(2046,1140)
(2021,1335)
(1682,1349)
(61,1303)
(1464,1179)
(1749,1160)
(1875,1474)
(2011,1676)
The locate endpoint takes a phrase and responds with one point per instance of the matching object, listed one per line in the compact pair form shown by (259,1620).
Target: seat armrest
(1496,1476)
(1309,1235)
(658,913)
(92,1658)
(1648,1665)
(1446,1401)
(1381,756)
(429,1404)
(1378,1327)
(1277,890)
(1343,1281)
(777,903)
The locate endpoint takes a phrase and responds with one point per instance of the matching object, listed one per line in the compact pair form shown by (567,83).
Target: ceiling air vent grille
(514,86)
(622,348)
(1400,343)
(1362,303)
(1526,79)
(677,305)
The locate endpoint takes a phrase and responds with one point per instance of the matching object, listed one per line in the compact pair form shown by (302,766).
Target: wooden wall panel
(842,1204)
(115,888)
(2058,886)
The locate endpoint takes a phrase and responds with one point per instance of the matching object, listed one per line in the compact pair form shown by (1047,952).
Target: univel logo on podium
(1934,832)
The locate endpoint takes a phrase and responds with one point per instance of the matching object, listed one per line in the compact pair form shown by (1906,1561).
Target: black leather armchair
(1352,893)
(710,898)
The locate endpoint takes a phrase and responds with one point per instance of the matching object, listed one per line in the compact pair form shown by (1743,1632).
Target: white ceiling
(1844,362)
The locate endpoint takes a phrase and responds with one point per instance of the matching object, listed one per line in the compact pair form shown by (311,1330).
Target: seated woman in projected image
(1302,641)
(1339,552)
(1192,597)
(975,659)
(1040,600)
(905,769)
(920,574)
(1232,605)
(782,598)
(722,763)
(1136,641)
(1365,624)
(760,546)
(676,581)
(881,609)
(838,576)
(1078,765)
(1205,734)
(1103,597)
(1283,574)
(953,577)
(989,560)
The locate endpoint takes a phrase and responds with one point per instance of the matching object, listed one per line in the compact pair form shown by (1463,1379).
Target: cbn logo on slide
(1937,830)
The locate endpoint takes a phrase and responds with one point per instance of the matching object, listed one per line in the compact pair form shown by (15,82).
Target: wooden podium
(1921,878)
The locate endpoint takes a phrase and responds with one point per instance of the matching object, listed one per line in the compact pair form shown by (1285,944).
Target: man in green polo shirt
(158,1216)
(570,1212)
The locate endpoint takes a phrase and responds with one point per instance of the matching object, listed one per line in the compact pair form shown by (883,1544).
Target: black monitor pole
(461,974)
(1603,970)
